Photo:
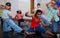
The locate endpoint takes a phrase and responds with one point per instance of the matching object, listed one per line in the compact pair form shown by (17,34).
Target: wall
(23,5)
(43,4)
(2,2)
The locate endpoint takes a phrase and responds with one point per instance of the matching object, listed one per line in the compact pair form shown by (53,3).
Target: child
(19,17)
(53,16)
(36,20)
(37,8)
(8,23)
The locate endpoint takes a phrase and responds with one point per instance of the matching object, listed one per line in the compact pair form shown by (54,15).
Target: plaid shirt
(52,13)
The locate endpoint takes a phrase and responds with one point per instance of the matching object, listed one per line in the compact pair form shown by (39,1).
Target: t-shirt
(5,14)
(19,16)
(34,23)
(0,12)
(58,3)
(52,13)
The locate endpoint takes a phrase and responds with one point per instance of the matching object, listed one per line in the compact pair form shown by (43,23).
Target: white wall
(2,2)
(23,5)
(43,4)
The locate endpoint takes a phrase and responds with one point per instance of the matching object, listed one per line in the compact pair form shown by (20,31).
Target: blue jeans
(8,24)
(56,26)
(39,29)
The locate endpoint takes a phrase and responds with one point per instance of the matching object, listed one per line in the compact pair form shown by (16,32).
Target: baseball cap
(58,3)
(8,4)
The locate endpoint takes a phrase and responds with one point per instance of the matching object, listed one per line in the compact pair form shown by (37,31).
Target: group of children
(37,21)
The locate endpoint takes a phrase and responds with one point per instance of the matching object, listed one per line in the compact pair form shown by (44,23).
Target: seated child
(8,23)
(35,24)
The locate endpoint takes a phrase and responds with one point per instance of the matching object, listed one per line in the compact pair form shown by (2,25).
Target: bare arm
(44,24)
(50,3)
(10,15)
(28,15)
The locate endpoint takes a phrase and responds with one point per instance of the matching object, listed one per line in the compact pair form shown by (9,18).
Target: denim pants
(38,29)
(55,26)
(8,24)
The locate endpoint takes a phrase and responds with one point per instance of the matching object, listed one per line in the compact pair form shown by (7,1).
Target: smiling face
(7,7)
(38,14)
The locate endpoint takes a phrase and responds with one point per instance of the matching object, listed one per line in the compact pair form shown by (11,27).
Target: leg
(30,31)
(14,26)
(6,27)
(54,29)
(41,30)
(19,22)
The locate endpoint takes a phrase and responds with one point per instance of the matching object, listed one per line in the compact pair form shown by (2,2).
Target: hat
(58,3)
(8,4)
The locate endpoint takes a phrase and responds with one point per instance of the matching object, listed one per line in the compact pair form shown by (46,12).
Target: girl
(19,17)
(36,20)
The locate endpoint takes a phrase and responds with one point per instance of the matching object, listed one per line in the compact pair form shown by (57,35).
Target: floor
(15,35)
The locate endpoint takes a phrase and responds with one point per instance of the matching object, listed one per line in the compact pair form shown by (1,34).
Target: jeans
(9,24)
(56,26)
(38,29)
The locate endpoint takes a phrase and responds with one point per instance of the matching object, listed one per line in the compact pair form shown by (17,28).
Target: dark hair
(38,4)
(38,11)
(19,11)
(8,4)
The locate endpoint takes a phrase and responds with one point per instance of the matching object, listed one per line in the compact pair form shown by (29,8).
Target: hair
(19,11)
(38,4)
(38,11)
(8,4)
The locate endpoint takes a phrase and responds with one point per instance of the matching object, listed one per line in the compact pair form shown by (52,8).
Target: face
(8,7)
(38,6)
(55,6)
(38,15)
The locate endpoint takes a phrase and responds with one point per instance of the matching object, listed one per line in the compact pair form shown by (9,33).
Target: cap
(58,3)
(8,4)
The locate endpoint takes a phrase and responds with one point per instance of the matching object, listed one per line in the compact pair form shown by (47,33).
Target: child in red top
(35,25)
(19,17)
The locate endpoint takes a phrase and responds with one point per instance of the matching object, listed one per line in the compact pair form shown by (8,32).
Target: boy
(53,16)
(8,22)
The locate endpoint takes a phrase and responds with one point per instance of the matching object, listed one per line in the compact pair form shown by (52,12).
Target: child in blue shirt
(8,23)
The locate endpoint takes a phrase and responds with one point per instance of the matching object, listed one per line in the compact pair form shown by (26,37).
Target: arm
(28,15)
(50,3)
(44,24)
(10,15)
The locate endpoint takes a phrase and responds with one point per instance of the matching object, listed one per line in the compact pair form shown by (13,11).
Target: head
(58,3)
(55,6)
(8,5)
(38,5)
(52,3)
(19,11)
(38,13)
